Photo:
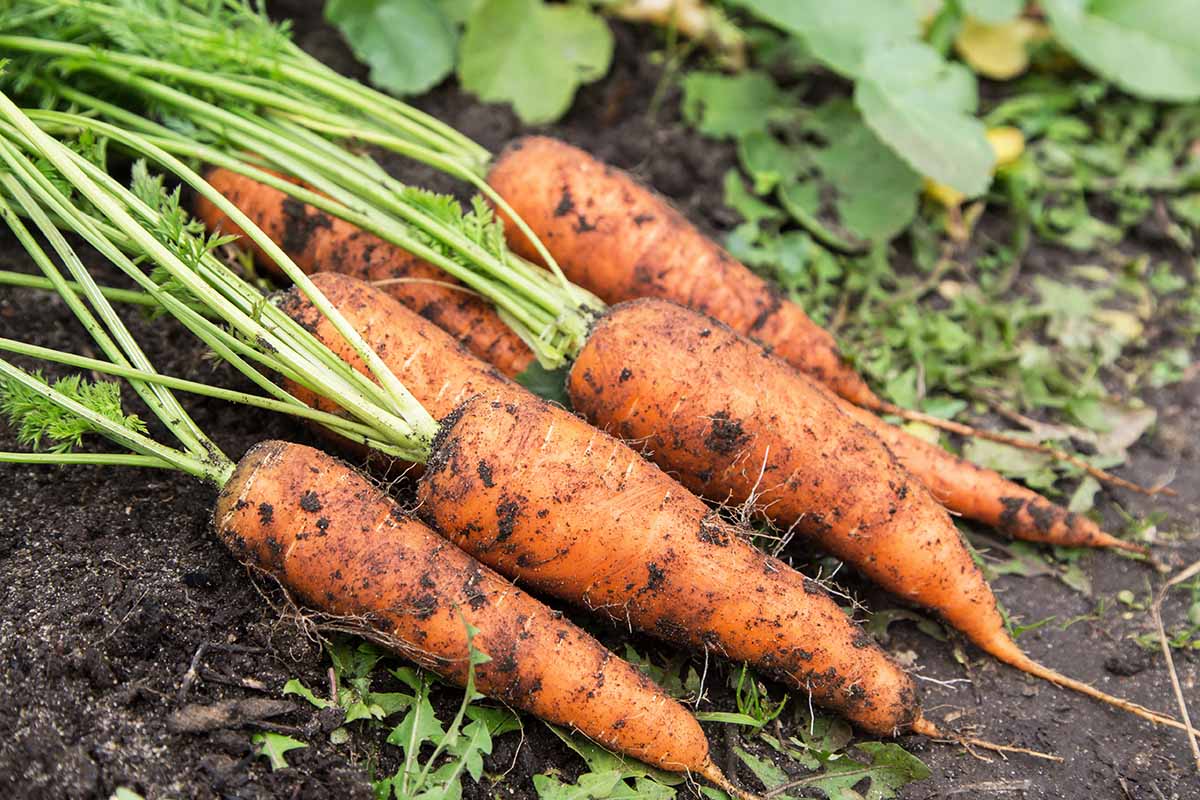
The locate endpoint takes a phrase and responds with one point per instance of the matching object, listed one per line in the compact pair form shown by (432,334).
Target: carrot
(735,424)
(317,240)
(619,239)
(983,494)
(622,241)
(344,546)
(542,497)
(533,492)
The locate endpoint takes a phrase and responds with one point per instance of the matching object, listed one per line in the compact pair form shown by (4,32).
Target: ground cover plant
(850,266)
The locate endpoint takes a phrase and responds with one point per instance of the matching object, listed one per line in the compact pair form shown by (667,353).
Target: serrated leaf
(294,686)
(922,107)
(1148,47)
(419,725)
(274,746)
(533,55)
(408,44)
(841,34)
(729,105)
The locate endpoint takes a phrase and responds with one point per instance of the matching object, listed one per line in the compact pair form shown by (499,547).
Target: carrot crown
(221,84)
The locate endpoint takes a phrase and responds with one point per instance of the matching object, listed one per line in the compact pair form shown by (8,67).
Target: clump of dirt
(121,614)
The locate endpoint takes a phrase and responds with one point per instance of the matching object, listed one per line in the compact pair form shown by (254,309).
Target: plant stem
(90,459)
(27,281)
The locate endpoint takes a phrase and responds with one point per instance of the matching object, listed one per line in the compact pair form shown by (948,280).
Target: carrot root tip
(713,774)
(926,728)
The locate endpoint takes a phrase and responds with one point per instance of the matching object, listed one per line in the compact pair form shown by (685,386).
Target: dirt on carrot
(343,546)
(541,496)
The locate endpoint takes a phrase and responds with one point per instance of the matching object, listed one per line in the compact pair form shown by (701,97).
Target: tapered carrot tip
(1108,540)
(926,728)
(711,773)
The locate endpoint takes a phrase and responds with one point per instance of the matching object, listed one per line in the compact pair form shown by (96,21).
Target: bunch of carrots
(752,404)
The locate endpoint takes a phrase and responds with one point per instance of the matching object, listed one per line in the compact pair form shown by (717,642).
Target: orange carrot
(735,424)
(983,494)
(535,493)
(315,240)
(540,496)
(614,236)
(620,240)
(341,544)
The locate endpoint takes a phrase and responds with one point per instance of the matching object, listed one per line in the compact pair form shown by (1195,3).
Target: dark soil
(111,582)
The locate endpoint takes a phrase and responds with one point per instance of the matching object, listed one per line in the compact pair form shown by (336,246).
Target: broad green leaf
(729,105)
(458,11)
(533,55)
(275,746)
(1148,47)
(408,44)
(841,34)
(992,11)
(872,192)
(922,107)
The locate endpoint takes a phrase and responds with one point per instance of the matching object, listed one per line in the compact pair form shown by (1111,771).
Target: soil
(112,585)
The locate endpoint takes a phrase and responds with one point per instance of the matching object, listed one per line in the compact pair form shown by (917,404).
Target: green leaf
(294,686)
(498,720)
(729,105)
(728,718)
(458,11)
(888,769)
(993,12)
(922,107)
(840,35)
(600,760)
(872,193)
(879,622)
(1009,461)
(420,725)
(591,786)
(549,384)
(533,55)
(408,44)
(765,771)
(274,746)
(744,202)
(1148,47)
